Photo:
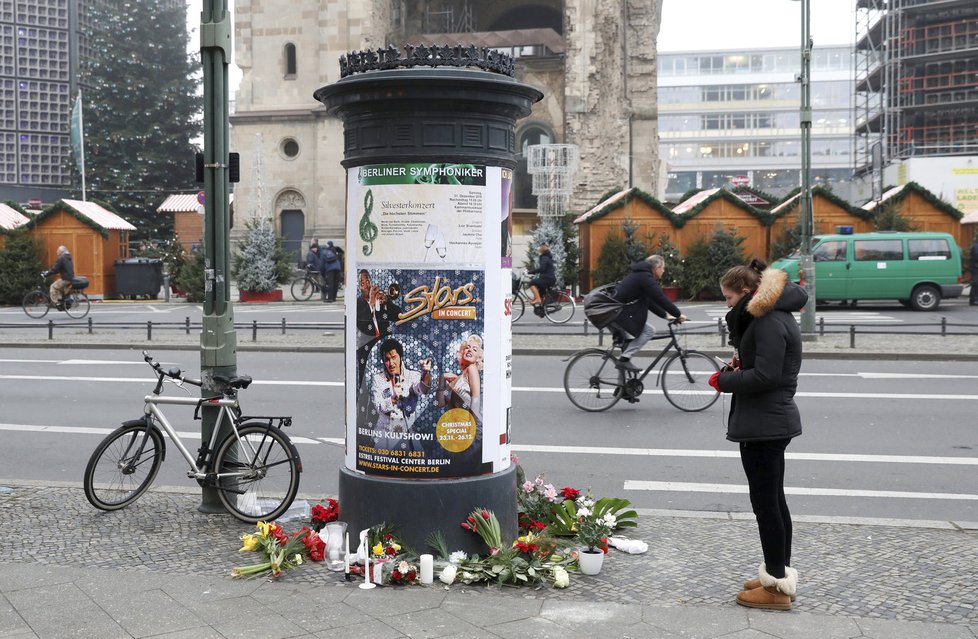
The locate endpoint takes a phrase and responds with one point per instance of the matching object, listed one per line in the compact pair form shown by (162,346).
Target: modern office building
(39,53)
(732,118)
(916,96)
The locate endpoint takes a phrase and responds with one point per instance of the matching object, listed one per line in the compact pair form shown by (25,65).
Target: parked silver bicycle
(255,468)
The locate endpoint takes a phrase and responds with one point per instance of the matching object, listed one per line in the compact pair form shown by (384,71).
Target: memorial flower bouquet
(322,515)
(529,560)
(279,550)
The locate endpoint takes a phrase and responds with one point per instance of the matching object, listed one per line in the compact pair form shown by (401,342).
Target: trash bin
(138,277)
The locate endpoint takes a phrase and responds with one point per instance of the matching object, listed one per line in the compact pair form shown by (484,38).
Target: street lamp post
(806,265)
(218,355)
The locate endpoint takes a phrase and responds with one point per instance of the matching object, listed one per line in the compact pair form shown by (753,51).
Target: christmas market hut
(594,226)
(701,214)
(923,210)
(188,218)
(829,211)
(95,236)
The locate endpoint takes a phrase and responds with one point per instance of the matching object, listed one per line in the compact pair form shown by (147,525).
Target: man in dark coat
(64,266)
(973,270)
(641,292)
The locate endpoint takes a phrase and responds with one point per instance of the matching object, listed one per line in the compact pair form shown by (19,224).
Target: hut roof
(792,200)
(89,213)
(11,218)
(897,193)
(699,201)
(179,203)
(620,199)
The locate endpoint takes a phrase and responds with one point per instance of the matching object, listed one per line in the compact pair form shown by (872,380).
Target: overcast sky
(689,25)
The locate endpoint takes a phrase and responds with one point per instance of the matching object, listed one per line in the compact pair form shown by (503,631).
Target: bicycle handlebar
(173,373)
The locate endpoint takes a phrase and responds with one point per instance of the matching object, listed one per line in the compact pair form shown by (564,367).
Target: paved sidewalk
(161,569)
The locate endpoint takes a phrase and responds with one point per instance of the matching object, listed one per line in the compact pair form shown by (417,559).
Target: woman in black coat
(763,377)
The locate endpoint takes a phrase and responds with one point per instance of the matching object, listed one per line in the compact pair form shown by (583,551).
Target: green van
(918,269)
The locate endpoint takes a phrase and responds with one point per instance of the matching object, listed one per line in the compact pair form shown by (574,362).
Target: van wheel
(925,297)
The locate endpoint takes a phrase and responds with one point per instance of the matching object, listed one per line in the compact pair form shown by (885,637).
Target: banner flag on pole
(77,137)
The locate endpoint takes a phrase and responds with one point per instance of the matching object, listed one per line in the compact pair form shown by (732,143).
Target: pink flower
(528,486)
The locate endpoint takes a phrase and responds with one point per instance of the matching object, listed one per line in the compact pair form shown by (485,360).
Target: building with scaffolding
(594,62)
(916,97)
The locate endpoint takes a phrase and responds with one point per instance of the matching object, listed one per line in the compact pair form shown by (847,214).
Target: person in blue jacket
(331,268)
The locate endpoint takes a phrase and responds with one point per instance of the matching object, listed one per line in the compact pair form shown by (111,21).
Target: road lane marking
(144,380)
(733,454)
(688,487)
(83,430)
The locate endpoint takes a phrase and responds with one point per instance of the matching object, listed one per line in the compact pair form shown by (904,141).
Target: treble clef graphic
(368,230)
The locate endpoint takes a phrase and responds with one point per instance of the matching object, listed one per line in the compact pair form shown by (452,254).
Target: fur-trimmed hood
(776,292)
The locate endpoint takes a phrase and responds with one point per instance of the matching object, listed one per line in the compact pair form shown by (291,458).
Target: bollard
(943,326)
(166,287)
(186,325)
(283,326)
(50,329)
(852,336)
(89,325)
(254,330)
(600,337)
(821,326)
(149,331)
(722,329)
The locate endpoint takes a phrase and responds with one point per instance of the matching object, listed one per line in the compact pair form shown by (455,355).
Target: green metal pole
(218,353)
(806,265)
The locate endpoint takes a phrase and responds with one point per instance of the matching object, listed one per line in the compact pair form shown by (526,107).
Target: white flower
(610,520)
(561,578)
(447,575)
(467,577)
(457,556)
(583,512)
(403,568)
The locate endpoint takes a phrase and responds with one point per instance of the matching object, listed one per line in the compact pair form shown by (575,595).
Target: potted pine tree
(261,265)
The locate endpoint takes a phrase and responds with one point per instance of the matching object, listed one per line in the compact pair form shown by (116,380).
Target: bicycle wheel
(77,305)
(519,307)
(36,304)
(123,466)
(561,310)
(685,381)
(257,473)
(592,381)
(302,289)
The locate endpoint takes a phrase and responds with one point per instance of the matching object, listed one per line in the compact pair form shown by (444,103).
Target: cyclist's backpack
(600,306)
(329,255)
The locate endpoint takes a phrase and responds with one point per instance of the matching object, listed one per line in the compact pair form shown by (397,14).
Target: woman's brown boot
(750,584)
(772,593)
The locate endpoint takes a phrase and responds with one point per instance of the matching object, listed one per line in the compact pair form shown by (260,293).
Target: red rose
(387,536)
(390,550)
(570,493)
(396,575)
(411,576)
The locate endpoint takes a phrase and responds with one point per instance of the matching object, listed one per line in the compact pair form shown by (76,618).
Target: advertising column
(430,253)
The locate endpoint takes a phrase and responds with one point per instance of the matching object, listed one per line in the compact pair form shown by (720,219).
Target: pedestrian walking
(331,268)
(763,377)
(973,271)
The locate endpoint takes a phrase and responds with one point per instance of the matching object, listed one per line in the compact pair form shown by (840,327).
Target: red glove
(715,381)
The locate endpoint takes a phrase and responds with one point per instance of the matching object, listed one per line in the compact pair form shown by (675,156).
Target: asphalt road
(882,439)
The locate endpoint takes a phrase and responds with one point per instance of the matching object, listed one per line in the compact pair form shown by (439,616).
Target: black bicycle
(255,468)
(594,381)
(73,301)
(306,285)
(558,305)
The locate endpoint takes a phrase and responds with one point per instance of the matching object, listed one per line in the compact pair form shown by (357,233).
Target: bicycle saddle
(240,381)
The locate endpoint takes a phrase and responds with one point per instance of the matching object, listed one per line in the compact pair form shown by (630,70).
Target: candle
(366,585)
(346,555)
(427,569)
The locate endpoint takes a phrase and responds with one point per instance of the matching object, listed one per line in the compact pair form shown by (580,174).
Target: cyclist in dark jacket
(641,292)
(65,267)
(763,377)
(546,276)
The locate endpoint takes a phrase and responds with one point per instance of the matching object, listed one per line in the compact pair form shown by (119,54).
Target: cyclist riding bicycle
(640,292)
(65,267)
(546,276)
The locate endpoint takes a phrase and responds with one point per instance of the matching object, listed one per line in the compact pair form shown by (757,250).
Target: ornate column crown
(423,55)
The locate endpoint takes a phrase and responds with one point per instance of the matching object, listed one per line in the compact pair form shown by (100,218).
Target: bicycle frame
(673,345)
(198,467)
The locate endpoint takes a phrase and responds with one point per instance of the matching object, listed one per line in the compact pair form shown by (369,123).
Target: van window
(878,250)
(830,252)
(930,249)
